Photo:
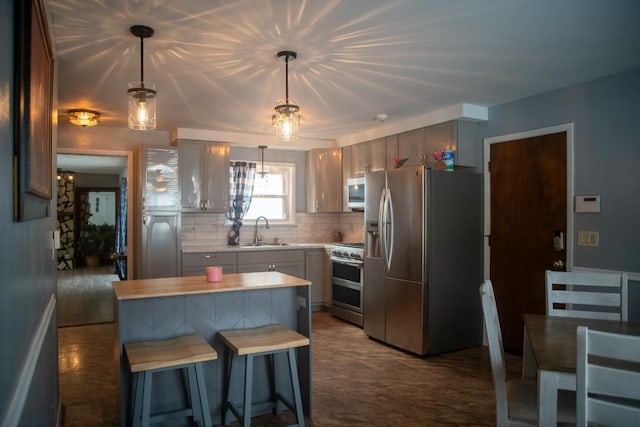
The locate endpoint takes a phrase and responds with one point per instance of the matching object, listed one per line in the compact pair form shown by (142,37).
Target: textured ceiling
(215,66)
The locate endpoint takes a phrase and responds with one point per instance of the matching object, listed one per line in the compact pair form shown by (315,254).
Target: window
(273,195)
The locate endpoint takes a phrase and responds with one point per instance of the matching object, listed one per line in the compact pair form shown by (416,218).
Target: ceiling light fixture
(83,118)
(263,174)
(286,120)
(142,96)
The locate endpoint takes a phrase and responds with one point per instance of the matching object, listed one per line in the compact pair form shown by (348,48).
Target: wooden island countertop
(175,286)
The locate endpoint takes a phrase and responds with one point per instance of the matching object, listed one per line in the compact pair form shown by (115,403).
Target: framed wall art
(33,62)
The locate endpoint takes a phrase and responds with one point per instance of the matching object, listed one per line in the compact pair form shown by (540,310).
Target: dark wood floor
(356,381)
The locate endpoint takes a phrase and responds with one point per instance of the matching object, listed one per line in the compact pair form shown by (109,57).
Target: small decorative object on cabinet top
(398,162)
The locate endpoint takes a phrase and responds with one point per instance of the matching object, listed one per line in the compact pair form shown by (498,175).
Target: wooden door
(528,185)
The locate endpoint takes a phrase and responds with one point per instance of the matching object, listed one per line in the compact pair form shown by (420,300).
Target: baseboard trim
(23,384)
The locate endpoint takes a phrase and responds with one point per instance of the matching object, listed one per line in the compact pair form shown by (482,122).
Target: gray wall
(606,117)
(27,273)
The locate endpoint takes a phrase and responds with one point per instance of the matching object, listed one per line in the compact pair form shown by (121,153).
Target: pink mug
(214,274)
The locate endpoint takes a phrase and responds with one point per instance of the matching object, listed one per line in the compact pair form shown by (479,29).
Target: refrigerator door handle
(381,222)
(390,218)
(385,224)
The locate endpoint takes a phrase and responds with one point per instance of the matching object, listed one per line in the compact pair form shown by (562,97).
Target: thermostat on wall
(587,204)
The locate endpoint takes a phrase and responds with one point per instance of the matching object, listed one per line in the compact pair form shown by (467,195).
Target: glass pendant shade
(286,120)
(142,105)
(142,95)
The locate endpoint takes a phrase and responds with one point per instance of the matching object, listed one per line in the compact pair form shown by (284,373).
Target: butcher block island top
(175,286)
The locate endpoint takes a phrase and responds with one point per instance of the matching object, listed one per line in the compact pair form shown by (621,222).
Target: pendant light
(142,95)
(264,175)
(286,120)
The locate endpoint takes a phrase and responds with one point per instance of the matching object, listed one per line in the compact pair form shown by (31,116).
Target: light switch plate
(589,238)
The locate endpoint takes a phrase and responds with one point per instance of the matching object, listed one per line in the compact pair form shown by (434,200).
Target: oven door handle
(347,284)
(342,261)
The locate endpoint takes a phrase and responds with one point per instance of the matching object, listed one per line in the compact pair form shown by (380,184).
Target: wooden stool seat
(186,352)
(267,341)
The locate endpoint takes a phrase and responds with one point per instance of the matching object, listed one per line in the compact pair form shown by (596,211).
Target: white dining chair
(587,295)
(516,399)
(607,378)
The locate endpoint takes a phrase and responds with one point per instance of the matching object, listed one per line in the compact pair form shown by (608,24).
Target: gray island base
(156,309)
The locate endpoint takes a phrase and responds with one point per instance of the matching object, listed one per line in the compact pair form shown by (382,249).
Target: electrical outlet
(589,238)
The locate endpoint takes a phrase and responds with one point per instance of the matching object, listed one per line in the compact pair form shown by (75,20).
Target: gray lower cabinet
(312,264)
(193,264)
(315,273)
(290,262)
(160,245)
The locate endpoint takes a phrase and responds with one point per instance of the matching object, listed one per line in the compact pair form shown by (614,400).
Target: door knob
(558,264)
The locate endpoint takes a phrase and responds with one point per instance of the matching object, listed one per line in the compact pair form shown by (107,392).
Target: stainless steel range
(347,260)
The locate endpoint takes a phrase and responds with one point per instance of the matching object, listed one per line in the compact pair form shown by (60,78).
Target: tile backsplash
(211,230)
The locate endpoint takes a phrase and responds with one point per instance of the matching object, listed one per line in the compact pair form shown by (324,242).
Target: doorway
(89,211)
(528,202)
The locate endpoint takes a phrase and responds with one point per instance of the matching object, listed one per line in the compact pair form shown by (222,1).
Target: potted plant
(95,243)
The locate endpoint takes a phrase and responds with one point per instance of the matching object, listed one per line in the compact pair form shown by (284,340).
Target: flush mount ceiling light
(83,118)
(286,120)
(142,95)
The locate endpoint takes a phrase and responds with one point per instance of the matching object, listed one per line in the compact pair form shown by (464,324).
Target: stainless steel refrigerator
(423,258)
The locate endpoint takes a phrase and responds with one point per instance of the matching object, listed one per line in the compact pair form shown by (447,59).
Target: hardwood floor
(85,295)
(356,381)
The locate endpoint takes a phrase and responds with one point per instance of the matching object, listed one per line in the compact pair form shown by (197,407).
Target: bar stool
(263,341)
(148,357)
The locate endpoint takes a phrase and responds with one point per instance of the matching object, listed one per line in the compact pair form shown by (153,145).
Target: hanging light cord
(286,84)
(262,173)
(142,62)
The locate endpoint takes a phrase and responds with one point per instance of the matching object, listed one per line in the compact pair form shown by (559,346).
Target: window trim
(289,199)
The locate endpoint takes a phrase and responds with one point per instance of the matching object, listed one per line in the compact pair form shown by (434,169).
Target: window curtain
(241,178)
(121,231)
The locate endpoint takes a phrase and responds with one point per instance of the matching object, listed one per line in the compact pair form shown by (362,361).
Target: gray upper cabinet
(440,137)
(204,176)
(391,148)
(324,180)
(418,145)
(412,146)
(368,156)
(347,166)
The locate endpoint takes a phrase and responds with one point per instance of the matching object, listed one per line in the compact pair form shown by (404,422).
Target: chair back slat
(607,378)
(587,295)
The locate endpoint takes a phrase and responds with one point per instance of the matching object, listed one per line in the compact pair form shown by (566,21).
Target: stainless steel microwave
(356,193)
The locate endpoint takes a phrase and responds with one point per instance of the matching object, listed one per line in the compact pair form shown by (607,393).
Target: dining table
(549,352)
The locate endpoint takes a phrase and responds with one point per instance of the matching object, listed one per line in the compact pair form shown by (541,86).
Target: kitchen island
(155,309)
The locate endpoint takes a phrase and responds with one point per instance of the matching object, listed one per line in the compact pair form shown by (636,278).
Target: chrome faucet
(258,238)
